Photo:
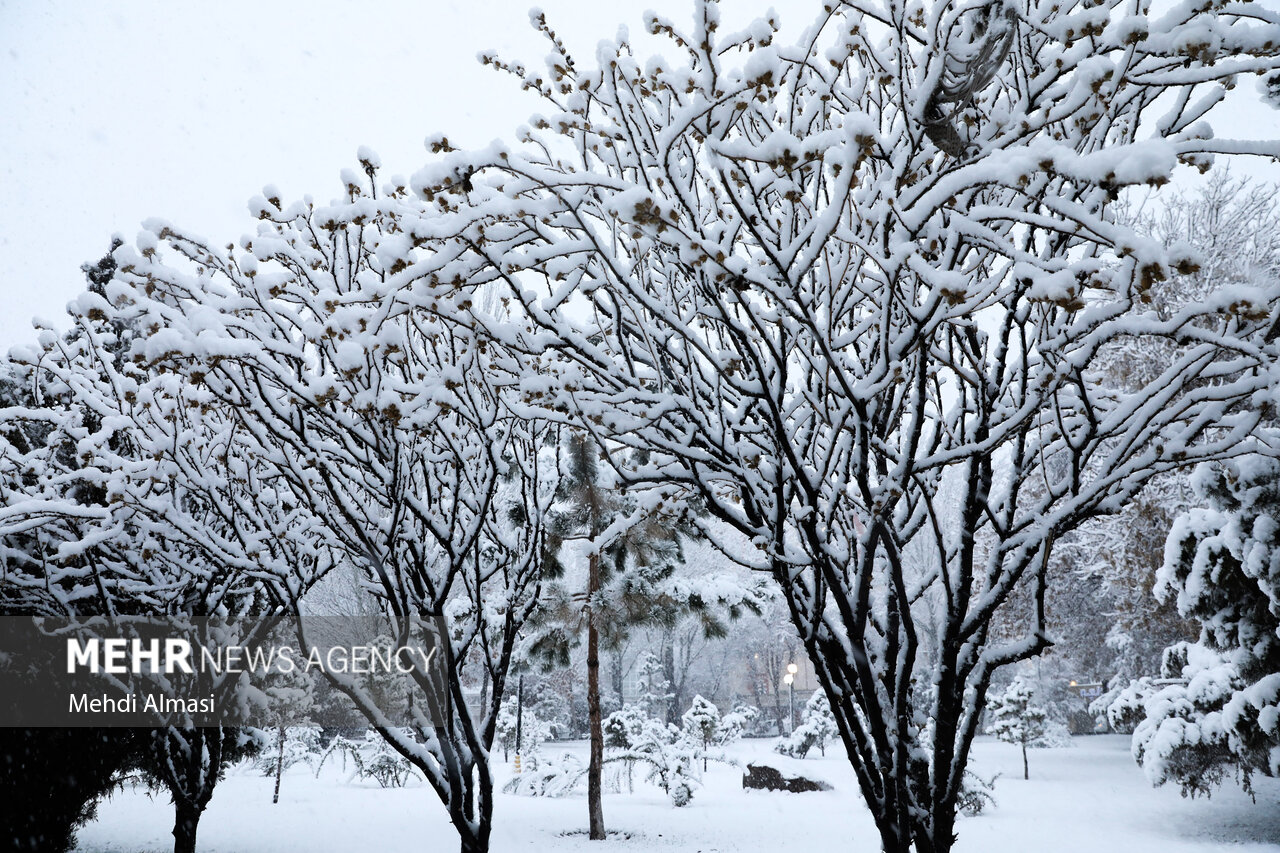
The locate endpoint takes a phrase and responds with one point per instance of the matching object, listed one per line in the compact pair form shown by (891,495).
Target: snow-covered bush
(668,754)
(533,732)
(548,777)
(737,723)
(371,758)
(976,794)
(1222,563)
(1124,707)
(301,745)
(1016,720)
(623,728)
(817,726)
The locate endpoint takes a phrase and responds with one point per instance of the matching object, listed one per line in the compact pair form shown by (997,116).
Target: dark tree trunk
(475,837)
(595,767)
(185,823)
(187,762)
(275,797)
(1026,771)
(471,810)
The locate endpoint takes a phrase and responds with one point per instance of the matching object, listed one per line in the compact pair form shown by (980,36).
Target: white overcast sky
(111,113)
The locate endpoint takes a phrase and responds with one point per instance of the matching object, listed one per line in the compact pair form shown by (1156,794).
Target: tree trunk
(906,839)
(185,823)
(275,798)
(891,839)
(595,767)
(1026,771)
(472,811)
(673,704)
(470,844)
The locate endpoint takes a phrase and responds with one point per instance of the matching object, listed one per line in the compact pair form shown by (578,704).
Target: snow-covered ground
(1089,797)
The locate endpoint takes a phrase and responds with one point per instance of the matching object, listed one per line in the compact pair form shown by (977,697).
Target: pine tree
(653,685)
(1222,567)
(702,725)
(820,720)
(633,549)
(817,726)
(1016,720)
(291,700)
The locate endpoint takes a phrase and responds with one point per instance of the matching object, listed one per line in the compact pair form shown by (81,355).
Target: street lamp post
(790,680)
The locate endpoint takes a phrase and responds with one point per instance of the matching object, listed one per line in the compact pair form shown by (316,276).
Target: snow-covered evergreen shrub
(549,777)
(371,758)
(976,794)
(1124,707)
(302,745)
(622,728)
(737,723)
(1016,720)
(622,731)
(816,728)
(701,727)
(533,732)
(1222,563)
(667,753)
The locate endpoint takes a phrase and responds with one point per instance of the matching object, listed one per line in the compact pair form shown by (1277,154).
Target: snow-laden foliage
(300,745)
(533,732)
(817,726)
(101,536)
(371,758)
(736,723)
(1104,615)
(548,777)
(671,761)
(668,755)
(1222,565)
(815,282)
(704,727)
(976,794)
(308,399)
(1016,719)
(1124,707)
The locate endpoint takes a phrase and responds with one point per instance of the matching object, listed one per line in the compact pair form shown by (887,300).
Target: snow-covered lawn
(1090,797)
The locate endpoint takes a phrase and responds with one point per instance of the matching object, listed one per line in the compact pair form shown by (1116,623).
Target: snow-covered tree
(1102,609)
(812,283)
(653,685)
(1222,566)
(817,726)
(323,387)
(632,553)
(290,701)
(1016,719)
(101,536)
(532,732)
(624,584)
(701,725)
